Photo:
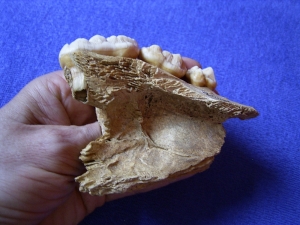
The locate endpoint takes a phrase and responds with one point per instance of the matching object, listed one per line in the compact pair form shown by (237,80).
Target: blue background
(254,48)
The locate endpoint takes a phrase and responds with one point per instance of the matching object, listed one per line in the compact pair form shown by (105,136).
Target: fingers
(92,202)
(78,136)
(190,62)
(89,133)
(57,148)
(77,112)
(48,100)
(39,102)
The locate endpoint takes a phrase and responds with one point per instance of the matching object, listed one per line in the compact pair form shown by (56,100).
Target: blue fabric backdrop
(254,48)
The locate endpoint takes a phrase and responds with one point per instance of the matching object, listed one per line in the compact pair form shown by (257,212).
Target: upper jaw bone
(171,63)
(112,46)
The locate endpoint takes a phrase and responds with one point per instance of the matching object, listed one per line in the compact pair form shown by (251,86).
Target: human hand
(43,132)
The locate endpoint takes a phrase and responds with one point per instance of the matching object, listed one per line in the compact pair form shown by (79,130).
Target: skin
(45,130)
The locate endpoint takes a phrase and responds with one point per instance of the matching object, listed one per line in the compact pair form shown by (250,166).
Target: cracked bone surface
(155,126)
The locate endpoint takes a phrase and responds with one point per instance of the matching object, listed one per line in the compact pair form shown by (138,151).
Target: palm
(53,149)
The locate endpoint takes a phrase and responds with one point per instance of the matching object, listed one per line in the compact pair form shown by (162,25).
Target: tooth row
(127,47)
(113,46)
(174,64)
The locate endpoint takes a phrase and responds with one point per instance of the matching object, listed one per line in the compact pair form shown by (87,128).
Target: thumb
(55,148)
(76,138)
(70,140)
(87,133)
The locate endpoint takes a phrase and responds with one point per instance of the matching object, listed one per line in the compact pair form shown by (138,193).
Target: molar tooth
(177,60)
(210,78)
(201,78)
(195,77)
(152,55)
(167,55)
(171,63)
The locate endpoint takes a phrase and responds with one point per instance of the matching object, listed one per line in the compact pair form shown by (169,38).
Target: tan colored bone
(155,126)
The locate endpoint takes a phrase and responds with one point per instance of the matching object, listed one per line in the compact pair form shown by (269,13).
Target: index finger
(191,62)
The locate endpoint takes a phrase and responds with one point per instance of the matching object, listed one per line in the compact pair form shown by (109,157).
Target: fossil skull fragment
(155,126)
(171,63)
(201,77)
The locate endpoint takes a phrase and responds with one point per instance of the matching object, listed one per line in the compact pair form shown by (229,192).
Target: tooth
(78,83)
(195,77)
(210,78)
(122,38)
(171,63)
(201,78)
(97,39)
(112,46)
(112,39)
(152,55)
